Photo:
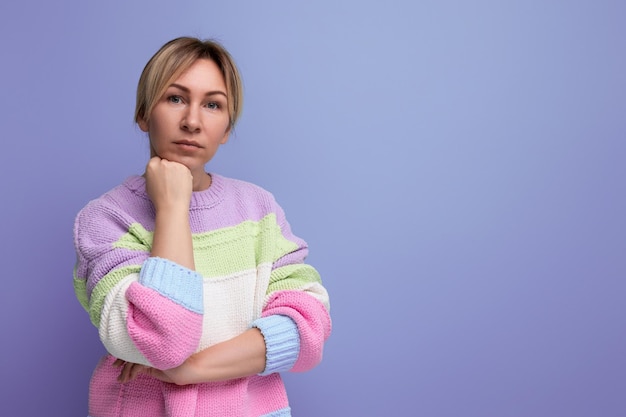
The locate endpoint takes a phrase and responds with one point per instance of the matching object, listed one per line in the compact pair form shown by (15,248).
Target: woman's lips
(188,144)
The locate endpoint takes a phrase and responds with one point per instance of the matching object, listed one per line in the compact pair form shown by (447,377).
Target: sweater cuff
(282,342)
(174,281)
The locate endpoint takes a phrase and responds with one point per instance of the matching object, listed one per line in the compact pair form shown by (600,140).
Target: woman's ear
(143,125)
(226,134)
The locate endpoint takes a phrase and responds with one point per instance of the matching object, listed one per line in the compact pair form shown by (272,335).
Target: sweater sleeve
(147,310)
(295,321)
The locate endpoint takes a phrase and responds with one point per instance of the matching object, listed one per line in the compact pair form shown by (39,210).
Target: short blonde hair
(174,58)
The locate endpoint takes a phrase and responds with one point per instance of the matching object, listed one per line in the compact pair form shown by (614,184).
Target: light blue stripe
(174,281)
(282,342)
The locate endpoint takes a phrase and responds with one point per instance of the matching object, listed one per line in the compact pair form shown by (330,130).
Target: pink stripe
(266,394)
(166,333)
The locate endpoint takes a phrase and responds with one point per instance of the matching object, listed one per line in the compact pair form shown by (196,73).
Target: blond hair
(174,58)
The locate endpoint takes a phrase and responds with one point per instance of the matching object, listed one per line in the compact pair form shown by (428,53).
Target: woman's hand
(129,370)
(169,184)
(184,374)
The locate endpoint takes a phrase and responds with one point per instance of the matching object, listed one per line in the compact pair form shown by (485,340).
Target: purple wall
(458,171)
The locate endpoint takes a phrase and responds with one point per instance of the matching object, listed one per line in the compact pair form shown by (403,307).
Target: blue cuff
(174,281)
(282,342)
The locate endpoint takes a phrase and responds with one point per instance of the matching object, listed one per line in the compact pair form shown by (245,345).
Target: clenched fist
(168,184)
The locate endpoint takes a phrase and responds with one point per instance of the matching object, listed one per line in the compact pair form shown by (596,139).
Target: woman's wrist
(172,237)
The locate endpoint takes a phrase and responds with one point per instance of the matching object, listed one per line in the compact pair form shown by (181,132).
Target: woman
(195,281)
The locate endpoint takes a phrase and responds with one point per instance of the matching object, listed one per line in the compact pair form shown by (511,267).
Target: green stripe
(137,238)
(104,286)
(224,251)
(80,288)
(292,277)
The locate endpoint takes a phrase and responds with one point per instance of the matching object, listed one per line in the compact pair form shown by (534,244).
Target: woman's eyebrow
(208,93)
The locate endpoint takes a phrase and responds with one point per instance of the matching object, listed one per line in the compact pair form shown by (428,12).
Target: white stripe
(113,329)
(232,303)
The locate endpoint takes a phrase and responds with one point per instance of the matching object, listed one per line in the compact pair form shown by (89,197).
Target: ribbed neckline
(210,197)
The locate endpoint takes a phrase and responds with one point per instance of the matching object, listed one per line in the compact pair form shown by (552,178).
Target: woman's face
(190,121)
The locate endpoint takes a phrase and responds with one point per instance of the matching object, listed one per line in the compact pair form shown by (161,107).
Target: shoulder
(121,197)
(114,206)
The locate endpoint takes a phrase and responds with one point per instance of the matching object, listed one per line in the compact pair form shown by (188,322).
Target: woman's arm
(169,185)
(242,356)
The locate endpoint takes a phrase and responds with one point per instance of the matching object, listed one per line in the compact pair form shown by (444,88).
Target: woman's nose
(191,120)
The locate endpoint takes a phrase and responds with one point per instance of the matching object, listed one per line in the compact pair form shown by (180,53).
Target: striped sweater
(250,272)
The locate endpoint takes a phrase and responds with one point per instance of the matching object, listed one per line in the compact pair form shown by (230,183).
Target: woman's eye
(175,99)
(213,105)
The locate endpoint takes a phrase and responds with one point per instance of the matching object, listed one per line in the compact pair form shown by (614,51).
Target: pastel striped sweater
(250,272)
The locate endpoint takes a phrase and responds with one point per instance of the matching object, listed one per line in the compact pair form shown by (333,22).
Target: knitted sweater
(250,272)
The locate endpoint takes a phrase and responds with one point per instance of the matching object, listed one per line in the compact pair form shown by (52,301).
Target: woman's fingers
(129,370)
(136,370)
(122,377)
(168,183)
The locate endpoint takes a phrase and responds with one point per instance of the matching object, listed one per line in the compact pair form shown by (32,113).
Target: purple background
(456,167)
